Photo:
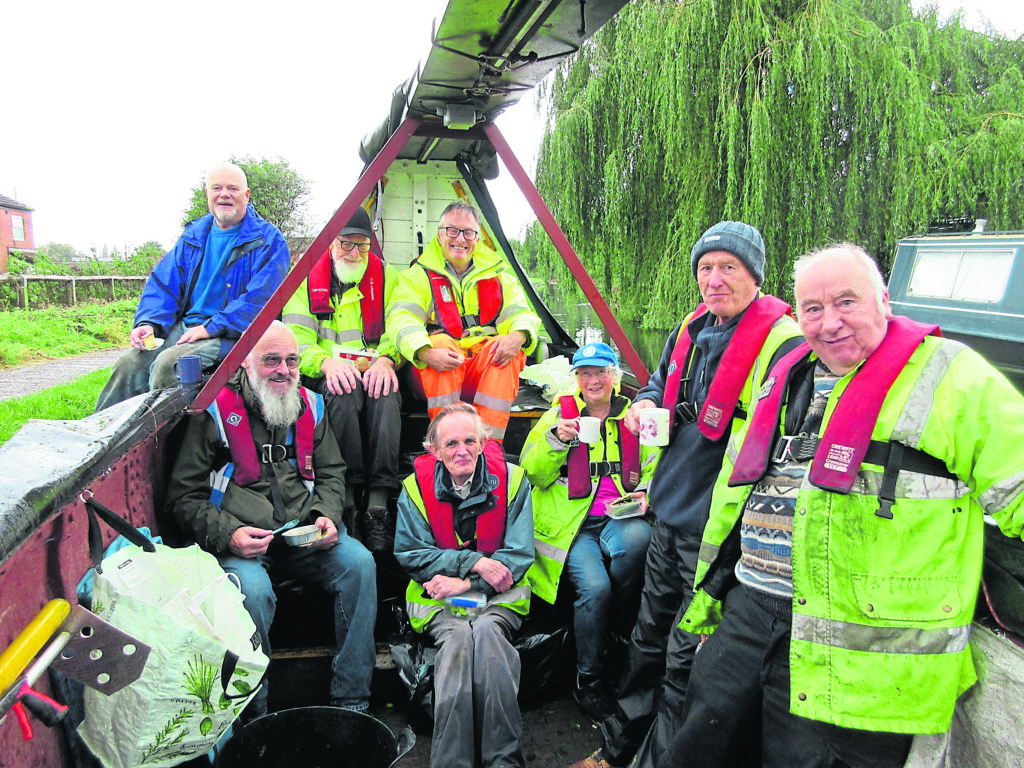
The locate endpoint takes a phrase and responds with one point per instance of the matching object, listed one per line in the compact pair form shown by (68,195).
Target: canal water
(582,323)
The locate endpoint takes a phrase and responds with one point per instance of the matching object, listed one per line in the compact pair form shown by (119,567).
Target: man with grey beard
(262,459)
(347,355)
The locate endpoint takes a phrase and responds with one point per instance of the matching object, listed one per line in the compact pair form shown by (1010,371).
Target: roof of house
(10,202)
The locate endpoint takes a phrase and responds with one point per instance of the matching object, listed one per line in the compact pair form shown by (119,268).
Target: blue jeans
(347,572)
(606,567)
(140,370)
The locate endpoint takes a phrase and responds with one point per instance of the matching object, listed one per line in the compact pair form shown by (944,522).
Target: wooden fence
(70,282)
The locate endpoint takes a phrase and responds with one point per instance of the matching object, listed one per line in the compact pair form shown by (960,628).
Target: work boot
(376,524)
(596,760)
(592,700)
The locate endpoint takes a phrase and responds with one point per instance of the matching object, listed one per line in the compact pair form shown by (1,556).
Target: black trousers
(368,431)
(660,654)
(739,687)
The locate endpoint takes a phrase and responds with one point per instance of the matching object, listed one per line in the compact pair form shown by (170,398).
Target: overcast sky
(114,110)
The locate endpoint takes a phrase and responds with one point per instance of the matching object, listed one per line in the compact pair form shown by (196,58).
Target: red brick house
(15,229)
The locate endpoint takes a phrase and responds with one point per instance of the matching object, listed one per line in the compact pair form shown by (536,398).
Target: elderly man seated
(263,459)
(465,537)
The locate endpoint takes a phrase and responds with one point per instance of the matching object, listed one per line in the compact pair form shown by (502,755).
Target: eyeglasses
(272,361)
(454,232)
(604,373)
(348,245)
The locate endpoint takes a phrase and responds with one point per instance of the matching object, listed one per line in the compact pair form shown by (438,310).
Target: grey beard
(278,410)
(346,274)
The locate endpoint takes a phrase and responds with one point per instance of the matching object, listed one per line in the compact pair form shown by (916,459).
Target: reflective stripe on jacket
(556,517)
(882,606)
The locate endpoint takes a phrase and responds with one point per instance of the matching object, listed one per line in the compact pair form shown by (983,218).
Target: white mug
(654,426)
(590,429)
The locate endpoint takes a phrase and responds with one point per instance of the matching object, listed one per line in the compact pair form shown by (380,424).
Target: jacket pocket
(907,598)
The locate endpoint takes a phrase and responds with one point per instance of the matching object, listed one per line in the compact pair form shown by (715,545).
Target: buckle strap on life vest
(835,465)
(371,286)
(597,469)
(490,525)
(489,298)
(238,433)
(718,409)
(579,469)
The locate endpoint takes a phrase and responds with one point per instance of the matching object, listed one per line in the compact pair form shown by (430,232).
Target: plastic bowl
(623,508)
(304,534)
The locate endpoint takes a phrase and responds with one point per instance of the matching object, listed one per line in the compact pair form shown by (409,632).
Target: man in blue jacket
(204,292)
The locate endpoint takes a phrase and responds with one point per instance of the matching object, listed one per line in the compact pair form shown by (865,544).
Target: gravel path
(28,379)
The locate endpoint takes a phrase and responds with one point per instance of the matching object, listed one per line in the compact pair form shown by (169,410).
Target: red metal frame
(561,243)
(293,280)
(374,172)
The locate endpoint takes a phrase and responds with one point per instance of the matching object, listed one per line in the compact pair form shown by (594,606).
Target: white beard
(279,410)
(347,273)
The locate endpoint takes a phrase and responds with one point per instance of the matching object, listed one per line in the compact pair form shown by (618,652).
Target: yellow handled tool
(31,640)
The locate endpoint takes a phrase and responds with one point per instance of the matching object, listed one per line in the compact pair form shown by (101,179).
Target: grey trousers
(476,685)
(140,370)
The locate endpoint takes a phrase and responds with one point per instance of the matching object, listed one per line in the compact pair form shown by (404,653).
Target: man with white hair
(263,459)
(204,292)
(465,537)
(840,565)
(347,356)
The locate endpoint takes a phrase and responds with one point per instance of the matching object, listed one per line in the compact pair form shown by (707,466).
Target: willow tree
(815,120)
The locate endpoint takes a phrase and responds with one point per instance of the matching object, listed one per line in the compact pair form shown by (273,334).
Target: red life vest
(578,460)
(235,418)
(732,373)
(371,305)
(490,525)
(488,293)
(847,436)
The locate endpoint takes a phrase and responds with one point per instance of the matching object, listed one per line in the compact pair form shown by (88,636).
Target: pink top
(606,494)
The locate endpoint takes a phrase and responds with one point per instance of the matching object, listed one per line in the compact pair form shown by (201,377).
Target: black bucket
(315,737)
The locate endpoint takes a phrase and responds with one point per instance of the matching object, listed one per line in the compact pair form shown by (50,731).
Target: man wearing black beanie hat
(711,367)
(348,357)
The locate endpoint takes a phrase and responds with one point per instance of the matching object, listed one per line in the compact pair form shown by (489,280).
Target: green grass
(54,332)
(74,400)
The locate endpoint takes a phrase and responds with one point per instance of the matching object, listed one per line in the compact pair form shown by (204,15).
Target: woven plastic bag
(204,667)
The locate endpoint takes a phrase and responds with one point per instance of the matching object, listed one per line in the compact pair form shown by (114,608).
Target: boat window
(967,275)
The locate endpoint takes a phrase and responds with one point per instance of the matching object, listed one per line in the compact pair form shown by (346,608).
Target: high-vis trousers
(490,389)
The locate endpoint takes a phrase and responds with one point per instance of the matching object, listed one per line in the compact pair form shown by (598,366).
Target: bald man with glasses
(461,317)
(346,356)
(259,461)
